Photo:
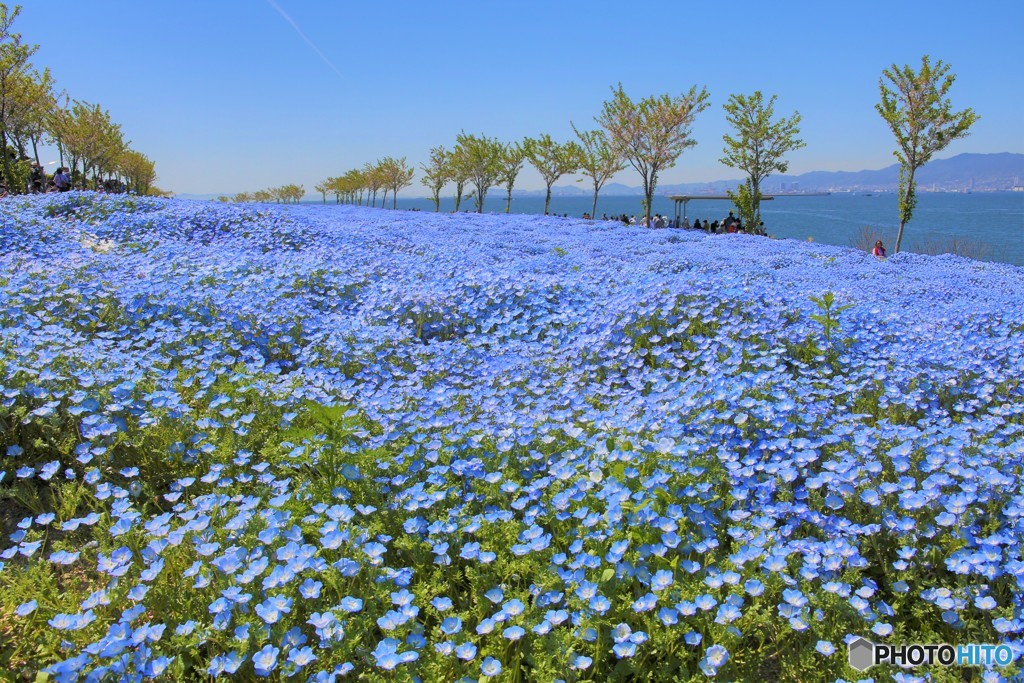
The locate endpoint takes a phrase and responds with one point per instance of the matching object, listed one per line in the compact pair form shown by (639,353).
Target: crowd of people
(39,181)
(729,224)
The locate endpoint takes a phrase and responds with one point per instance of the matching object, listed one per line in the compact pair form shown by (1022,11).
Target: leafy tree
(436,174)
(355,183)
(323,188)
(396,174)
(242,197)
(14,63)
(758,147)
(32,102)
(373,181)
(138,170)
(651,134)
(459,168)
(512,159)
(552,160)
(598,161)
(482,157)
(921,117)
(92,139)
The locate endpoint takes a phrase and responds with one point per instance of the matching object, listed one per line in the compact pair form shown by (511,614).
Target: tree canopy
(915,106)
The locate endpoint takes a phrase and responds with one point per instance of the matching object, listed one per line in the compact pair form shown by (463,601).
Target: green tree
(395,175)
(512,158)
(373,181)
(323,188)
(653,133)
(459,167)
(921,117)
(482,157)
(552,160)
(599,161)
(91,138)
(758,147)
(33,100)
(14,64)
(138,170)
(436,174)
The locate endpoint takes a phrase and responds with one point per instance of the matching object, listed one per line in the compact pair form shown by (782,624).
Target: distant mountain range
(964,172)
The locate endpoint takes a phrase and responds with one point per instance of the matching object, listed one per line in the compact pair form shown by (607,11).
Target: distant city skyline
(237,96)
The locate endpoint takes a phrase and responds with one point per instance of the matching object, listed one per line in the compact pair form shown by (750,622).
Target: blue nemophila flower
(301,657)
(351,604)
(826,648)
(661,580)
(26,608)
(441,603)
(466,651)
(514,632)
(490,666)
(451,625)
(265,661)
(714,657)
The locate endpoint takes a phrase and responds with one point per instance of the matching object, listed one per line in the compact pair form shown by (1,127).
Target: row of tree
(652,133)
(649,135)
(33,113)
(286,194)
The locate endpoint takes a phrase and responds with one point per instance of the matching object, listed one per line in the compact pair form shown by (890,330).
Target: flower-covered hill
(317,442)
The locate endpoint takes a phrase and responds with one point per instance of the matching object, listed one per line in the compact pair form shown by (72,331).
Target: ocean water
(990,223)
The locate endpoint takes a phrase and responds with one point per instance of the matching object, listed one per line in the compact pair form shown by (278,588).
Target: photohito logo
(864,654)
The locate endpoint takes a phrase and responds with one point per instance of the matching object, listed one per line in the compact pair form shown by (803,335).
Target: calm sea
(990,223)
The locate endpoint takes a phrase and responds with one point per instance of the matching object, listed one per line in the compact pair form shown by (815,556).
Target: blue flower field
(338,443)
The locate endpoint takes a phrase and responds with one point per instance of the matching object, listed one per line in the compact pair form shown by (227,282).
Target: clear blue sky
(227,96)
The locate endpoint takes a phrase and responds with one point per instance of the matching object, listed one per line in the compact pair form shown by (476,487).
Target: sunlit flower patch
(325,442)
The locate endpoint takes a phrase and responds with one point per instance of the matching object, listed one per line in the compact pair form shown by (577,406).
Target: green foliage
(651,134)
(598,160)
(757,149)
(552,160)
(512,159)
(915,106)
(436,174)
(482,157)
(747,202)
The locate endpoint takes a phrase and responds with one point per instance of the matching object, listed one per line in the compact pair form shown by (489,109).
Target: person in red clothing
(879,250)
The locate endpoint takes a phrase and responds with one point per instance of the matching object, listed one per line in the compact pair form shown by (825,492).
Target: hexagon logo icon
(862,654)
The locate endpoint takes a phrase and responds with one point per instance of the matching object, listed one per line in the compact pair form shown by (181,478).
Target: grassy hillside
(327,442)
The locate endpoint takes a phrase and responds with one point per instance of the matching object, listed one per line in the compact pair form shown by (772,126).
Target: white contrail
(304,37)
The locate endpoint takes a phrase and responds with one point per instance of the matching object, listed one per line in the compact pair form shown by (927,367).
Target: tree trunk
(6,158)
(547,200)
(593,209)
(648,196)
(394,198)
(480,195)
(508,201)
(908,193)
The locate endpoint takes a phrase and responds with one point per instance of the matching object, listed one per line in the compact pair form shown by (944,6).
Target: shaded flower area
(330,443)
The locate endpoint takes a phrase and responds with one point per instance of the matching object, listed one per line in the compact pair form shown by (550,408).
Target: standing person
(879,250)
